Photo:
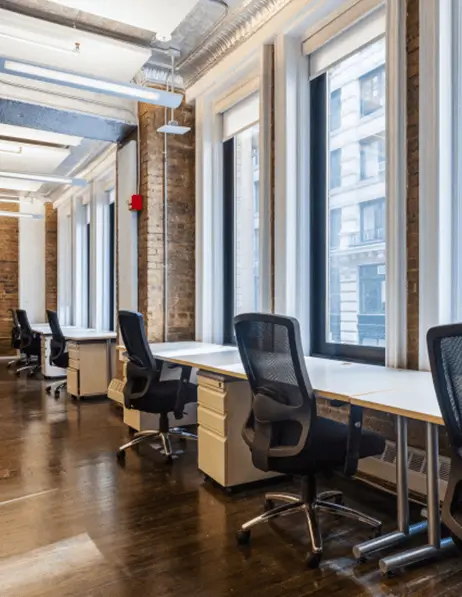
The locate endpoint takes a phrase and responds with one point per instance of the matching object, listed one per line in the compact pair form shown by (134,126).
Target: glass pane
(356,198)
(247,221)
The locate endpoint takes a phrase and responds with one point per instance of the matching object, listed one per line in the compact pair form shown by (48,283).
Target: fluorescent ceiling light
(42,44)
(20,214)
(6,147)
(27,134)
(78,182)
(126,90)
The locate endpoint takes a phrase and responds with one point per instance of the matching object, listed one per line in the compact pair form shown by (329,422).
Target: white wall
(32,263)
(127,228)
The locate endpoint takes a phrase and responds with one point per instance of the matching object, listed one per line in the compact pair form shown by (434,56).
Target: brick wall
(51,257)
(9,275)
(178,316)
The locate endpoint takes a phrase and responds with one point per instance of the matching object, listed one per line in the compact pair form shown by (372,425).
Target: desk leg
(435,544)
(404,530)
(109,360)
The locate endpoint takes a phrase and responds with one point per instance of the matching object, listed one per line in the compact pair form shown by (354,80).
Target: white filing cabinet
(223,407)
(90,367)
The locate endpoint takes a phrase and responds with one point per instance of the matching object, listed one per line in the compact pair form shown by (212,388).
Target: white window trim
(396,256)
(435,170)
(209,204)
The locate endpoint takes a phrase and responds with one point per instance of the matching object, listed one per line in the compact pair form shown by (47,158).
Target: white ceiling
(41,152)
(33,40)
(161,16)
(21,132)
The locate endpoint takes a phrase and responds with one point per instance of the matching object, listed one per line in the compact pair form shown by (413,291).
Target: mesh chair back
(27,334)
(283,404)
(445,353)
(135,339)
(55,326)
(15,330)
(58,340)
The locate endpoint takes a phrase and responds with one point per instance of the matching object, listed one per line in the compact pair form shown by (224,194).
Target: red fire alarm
(136,203)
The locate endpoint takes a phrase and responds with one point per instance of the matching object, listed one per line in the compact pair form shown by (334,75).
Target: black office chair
(144,390)
(15,339)
(30,345)
(58,355)
(284,433)
(445,354)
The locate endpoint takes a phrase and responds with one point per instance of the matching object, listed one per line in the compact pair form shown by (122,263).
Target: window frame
(228,241)
(319,237)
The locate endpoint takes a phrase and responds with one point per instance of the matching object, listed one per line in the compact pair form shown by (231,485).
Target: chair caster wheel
(313,560)
(121,455)
(18,374)
(243,537)
(268,505)
(48,391)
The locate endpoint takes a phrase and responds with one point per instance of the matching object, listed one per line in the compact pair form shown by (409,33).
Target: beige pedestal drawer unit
(223,407)
(90,368)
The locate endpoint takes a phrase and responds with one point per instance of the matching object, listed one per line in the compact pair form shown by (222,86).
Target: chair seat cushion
(61,361)
(326,449)
(162,397)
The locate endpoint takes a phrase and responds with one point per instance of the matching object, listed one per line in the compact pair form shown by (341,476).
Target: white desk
(404,393)
(48,370)
(91,358)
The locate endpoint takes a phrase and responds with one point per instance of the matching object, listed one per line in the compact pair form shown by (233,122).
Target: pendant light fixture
(172,127)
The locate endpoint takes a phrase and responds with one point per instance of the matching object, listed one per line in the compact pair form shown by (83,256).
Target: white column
(287,60)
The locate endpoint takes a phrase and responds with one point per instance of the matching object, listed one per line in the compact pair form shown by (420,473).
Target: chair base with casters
(32,367)
(310,504)
(56,388)
(164,434)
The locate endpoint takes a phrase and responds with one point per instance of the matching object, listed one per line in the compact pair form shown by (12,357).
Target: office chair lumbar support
(285,434)
(164,435)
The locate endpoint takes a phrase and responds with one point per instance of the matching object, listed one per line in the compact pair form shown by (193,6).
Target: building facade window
(372,156)
(335,168)
(336,109)
(241,226)
(348,202)
(372,91)
(373,220)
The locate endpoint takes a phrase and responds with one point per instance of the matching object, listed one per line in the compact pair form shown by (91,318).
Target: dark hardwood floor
(73,524)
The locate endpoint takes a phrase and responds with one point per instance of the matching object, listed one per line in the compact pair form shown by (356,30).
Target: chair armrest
(134,374)
(355,428)
(183,390)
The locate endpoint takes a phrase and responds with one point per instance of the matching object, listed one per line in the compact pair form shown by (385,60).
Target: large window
(87,262)
(111,261)
(348,199)
(241,226)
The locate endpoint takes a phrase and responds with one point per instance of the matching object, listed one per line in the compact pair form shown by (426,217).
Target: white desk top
(398,391)
(88,335)
(72,332)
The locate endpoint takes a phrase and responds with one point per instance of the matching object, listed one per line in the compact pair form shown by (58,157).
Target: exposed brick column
(178,316)
(9,276)
(51,257)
